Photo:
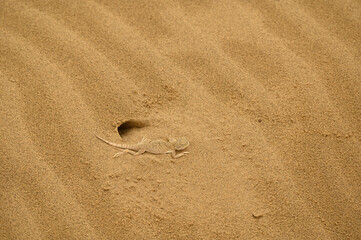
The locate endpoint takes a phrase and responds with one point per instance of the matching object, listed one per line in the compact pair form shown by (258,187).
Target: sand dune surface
(267,92)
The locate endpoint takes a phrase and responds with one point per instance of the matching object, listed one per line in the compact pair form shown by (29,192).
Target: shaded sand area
(267,92)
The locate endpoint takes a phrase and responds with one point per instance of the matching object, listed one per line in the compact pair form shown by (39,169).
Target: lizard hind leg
(139,152)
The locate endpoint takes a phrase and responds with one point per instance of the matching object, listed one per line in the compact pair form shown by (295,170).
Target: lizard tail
(124,146)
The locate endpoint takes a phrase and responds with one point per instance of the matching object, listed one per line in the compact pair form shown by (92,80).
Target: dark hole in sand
(128,125)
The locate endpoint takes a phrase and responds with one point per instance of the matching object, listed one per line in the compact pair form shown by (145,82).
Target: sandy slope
(268,93)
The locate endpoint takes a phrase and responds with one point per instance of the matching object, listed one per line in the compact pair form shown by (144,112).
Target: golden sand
(267,92)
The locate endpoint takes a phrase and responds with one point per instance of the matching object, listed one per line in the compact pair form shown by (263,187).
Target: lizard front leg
(140,151)
(175,155)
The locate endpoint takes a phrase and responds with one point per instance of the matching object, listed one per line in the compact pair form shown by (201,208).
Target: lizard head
(179,143)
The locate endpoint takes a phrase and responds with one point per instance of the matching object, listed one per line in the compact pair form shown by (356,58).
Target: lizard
(158,146)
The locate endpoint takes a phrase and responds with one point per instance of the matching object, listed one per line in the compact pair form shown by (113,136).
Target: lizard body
(158,146)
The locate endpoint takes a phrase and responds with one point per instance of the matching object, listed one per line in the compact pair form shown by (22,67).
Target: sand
(267,92)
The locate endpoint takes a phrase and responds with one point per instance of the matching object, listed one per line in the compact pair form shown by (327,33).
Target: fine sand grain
(267,92)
